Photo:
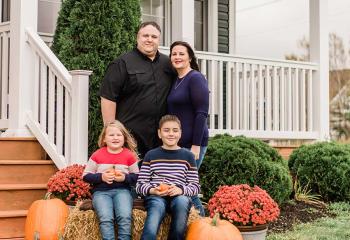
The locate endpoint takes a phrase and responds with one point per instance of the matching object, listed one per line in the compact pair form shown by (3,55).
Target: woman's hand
(196,150)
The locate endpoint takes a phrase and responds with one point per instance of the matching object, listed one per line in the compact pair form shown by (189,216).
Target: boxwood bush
(236,160)
(325,168)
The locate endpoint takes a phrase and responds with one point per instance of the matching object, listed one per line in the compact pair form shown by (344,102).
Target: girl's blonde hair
(129,141)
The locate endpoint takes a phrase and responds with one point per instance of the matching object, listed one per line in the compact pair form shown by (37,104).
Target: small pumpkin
(46,219)
(163,187)
(212,228)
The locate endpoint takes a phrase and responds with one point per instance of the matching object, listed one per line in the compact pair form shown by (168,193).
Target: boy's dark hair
(152,23)
(169,118)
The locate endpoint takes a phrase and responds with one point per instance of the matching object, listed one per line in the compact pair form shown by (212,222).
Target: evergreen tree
(89,35)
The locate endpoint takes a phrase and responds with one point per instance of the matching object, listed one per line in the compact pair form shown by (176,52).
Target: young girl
(112,170)
(168,178)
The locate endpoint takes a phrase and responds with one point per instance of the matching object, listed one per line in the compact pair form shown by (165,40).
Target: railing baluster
(36,91)
(253,102)
(59,126)
(236,98)
(51,107)
(268,98)
(309,101)
(290,97)
(213,94)
(283,102)
(229,90)
(275,99)
(43,96)
(220,95)
(302,102)
(261,98)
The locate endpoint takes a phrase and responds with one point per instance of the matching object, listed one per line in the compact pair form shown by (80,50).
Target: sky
(271,28)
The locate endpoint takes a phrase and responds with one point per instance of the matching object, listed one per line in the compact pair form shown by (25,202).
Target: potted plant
(248,208)
(67,184)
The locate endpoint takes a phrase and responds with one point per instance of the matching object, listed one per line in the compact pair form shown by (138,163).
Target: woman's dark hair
(193,61)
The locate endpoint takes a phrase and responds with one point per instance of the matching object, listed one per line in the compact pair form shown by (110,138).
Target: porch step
(12,224)
(20,196)
(16,148)
(26,171)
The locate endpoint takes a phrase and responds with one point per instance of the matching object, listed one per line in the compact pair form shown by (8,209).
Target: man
(135,88)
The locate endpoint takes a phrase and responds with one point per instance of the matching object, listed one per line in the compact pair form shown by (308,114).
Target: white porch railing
(259,98)
(4,72)
(60,106)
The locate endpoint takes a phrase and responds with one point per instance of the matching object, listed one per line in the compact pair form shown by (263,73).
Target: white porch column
(24,15)
(319,53)
(80,109)
(183,21)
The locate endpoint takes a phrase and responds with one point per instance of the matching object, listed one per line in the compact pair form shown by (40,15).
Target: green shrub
(325,168)
(89,35)
(236,160)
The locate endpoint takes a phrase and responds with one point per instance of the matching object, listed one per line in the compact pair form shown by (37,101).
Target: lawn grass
(327,228)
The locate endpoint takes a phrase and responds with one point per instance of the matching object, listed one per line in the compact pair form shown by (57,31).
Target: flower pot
(253,232)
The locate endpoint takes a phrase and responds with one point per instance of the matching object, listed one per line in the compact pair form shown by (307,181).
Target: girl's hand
(108,176)
(119,176)
(174,191)
(195,150)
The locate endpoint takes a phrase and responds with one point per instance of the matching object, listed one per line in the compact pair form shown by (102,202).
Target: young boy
(168,178)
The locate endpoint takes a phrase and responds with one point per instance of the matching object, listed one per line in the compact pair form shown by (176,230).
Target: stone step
(20,196)
(16,148)
(26,171)
(12,224)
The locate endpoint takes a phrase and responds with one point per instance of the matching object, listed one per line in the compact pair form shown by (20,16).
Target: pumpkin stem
(216,217)
(36,236)
(47,195)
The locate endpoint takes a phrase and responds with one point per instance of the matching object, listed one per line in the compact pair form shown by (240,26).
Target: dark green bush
(235,160)
(324,168)
(89,35)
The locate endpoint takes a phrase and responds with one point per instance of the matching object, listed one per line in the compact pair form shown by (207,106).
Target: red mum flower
(244,205)
(67,184)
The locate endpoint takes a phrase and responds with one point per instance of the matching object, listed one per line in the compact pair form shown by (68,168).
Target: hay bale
(83,225)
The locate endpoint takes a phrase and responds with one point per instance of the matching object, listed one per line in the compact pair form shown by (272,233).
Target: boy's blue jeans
(114,205)
(156,206)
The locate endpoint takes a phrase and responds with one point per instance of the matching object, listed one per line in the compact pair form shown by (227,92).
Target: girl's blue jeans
(156,206)
(111,206)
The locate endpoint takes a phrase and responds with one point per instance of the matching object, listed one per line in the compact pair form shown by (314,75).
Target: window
(5,10)
(200,25)
(159,12)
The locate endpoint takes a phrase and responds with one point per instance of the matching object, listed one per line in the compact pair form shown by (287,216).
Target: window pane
(146,6)
(198,25)
(158,8)
(198,36)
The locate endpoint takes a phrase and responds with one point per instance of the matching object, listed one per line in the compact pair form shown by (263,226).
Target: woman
(189,101)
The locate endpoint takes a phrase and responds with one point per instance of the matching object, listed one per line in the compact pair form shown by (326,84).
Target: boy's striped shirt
(176,167)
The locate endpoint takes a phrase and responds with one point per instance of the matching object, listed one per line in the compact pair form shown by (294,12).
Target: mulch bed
(295,212)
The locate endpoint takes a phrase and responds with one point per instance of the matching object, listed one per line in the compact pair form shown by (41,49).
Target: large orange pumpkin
(212,228)
(46,219)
